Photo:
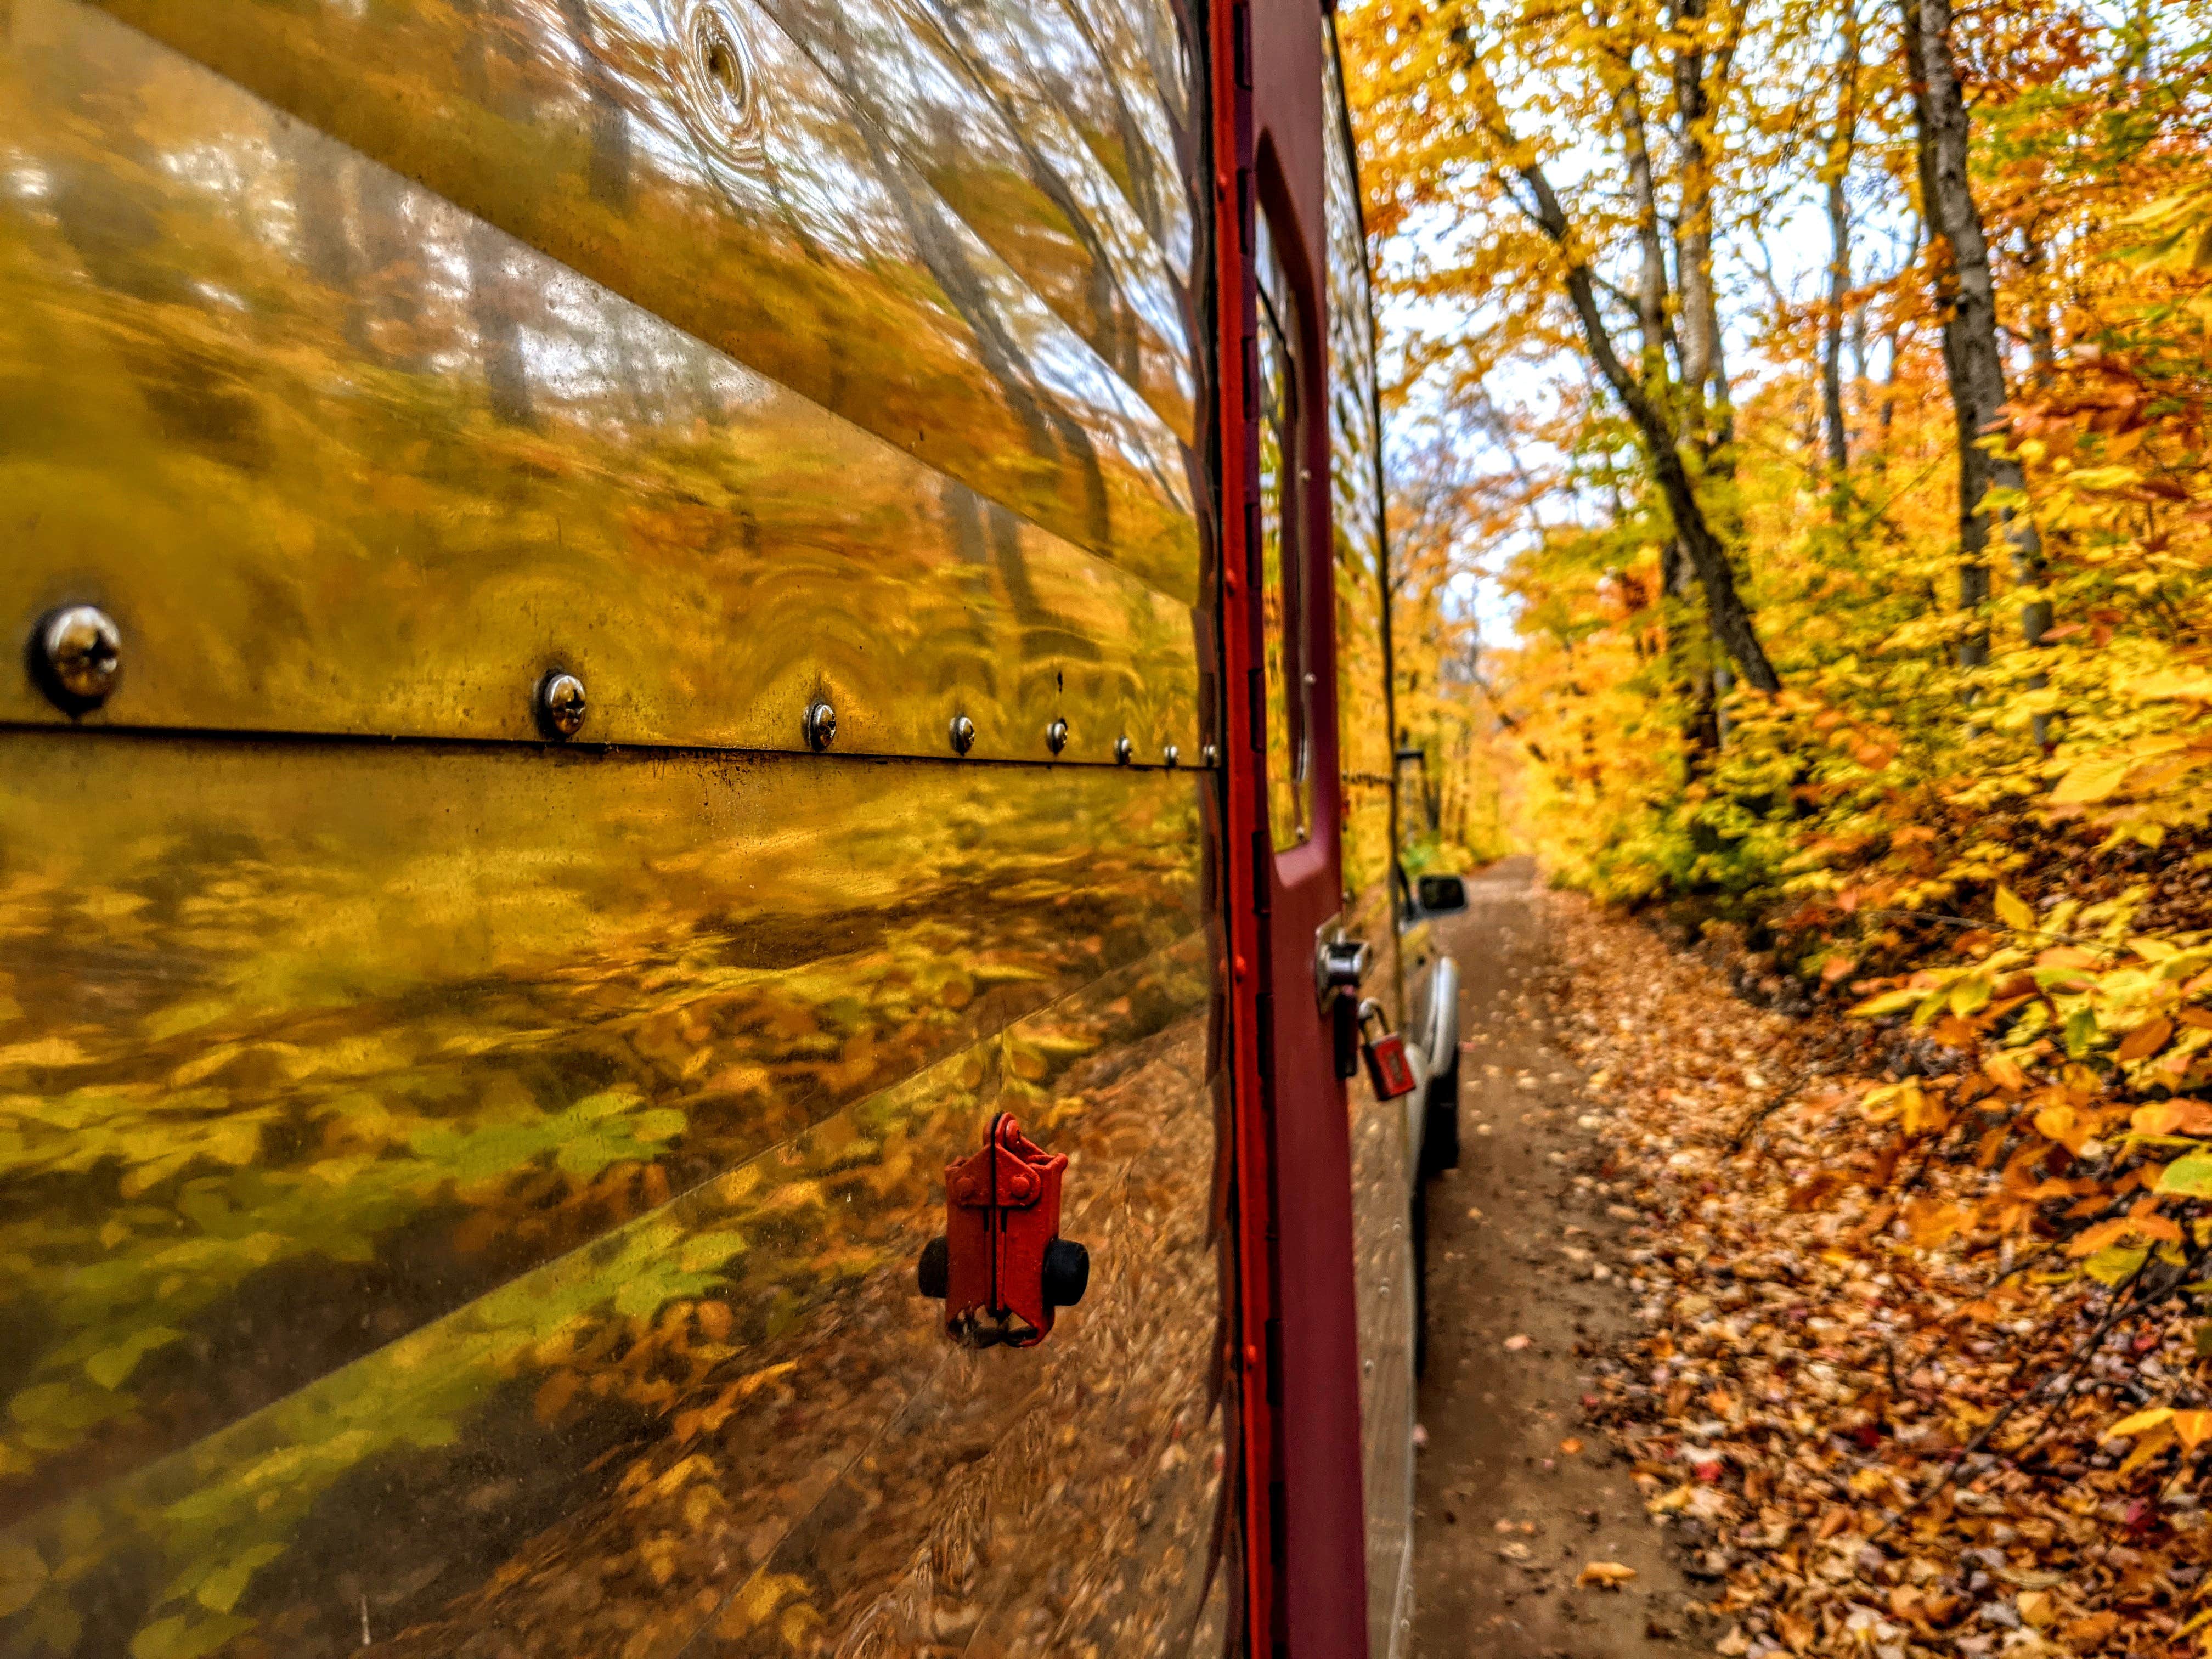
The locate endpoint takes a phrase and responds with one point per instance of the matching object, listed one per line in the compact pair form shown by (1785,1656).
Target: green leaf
(111,1366)
(2114,1263)
(658,1125)
(592,1108)
(1889,1002)
(2190,1177)
(186,1636)
(220,1591)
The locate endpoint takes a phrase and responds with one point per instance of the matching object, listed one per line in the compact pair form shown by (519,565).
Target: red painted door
(1303,1397)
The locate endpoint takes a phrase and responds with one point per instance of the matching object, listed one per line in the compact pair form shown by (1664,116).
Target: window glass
(1290,782)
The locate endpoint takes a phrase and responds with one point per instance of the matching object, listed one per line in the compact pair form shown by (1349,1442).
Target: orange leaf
(1930,1221)
(2093,1239)
(2146,1040)
(2168,1117)
(2065,956)
(554,1395)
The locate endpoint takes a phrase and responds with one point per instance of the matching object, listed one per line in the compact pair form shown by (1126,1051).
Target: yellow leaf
(2013,911)
(2160,687)
(2139,1421)
(2156,1441)
(2092,781)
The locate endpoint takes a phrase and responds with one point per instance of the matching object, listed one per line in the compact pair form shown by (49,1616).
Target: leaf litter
(1874,1419)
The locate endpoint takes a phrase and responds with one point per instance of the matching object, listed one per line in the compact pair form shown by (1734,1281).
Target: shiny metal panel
(953,87)
(1134,114)
(1383,1192)
(264,401)
(688,157)
(470,1195)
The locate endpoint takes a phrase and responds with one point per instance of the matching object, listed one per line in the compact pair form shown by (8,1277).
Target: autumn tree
(1629,247)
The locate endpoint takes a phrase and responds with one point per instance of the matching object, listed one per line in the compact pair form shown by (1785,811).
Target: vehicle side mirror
(1440,895)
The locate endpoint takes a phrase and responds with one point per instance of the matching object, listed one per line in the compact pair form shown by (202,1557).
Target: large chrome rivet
(77,656)
(1124,750)
(820,725)
(1055,736)
(1169,753)
(561,704)
(964,735)
(1209,756)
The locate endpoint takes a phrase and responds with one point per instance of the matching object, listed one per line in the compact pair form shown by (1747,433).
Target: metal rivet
(561,704)
(1209,756)
(1055,736)
(1169,753)
(964,735)
(1124,750)
(820,725)
(77,656)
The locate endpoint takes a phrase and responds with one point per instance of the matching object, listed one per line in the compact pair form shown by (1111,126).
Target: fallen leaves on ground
(1870,1435)
(1604,1574)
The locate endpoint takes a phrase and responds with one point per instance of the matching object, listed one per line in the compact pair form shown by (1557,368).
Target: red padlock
(1388,1068)
(1001,1265)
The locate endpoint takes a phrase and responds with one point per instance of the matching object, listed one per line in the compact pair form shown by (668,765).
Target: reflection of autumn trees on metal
(790,244)
(954,92)
(360,1066)
(330,338)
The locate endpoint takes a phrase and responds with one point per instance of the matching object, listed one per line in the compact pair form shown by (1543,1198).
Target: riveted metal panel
(454,1190)
(339,458)
(687,155)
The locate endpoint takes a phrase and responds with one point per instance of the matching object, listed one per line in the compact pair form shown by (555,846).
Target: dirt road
(1517,1493)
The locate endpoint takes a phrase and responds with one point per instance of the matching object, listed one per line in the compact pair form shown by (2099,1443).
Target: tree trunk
(609,178)
(1838,169)
(1651,271)
(1975,367)
(1693,273)
(1731,619)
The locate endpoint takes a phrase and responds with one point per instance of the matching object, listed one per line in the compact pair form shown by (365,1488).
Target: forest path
(1507,1515)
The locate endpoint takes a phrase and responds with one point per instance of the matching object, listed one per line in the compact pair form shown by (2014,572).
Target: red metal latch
(1001,1266)
(1389,1069)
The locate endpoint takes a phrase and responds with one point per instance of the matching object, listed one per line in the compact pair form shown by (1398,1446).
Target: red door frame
(1299,1373)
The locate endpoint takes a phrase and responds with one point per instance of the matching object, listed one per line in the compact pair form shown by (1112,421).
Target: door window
(1282,597)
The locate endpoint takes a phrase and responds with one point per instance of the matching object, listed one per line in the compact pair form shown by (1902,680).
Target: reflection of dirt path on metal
(1517,1492)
